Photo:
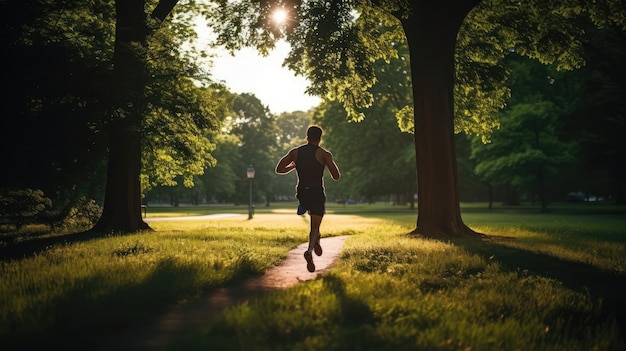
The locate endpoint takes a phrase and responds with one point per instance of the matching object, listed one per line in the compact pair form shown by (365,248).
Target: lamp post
(250,173)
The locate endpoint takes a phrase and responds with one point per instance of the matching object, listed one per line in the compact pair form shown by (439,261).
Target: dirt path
(187,317)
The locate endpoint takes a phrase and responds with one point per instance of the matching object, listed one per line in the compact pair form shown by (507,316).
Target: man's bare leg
(315,235)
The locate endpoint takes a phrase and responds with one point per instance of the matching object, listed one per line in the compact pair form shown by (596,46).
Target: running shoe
(301,210)
(310,266)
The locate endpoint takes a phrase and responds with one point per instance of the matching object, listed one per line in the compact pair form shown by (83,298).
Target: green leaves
(179,135)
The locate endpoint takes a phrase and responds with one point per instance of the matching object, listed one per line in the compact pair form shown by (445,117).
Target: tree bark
(431,34)
(122,202)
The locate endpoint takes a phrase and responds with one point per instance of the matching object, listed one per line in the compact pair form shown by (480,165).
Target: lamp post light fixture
(250,174)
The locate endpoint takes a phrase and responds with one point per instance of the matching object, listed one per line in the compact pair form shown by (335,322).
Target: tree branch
(163,9)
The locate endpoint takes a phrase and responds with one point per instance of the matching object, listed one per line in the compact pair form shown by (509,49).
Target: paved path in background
(188,316)
(191,218)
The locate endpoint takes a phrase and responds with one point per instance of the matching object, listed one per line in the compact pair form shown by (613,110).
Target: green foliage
(292,129)
(250,133)
(28,206)
(256,129)
(185,109)
(337,44)
(57,69)
(24,205)
(65,105)
(337,50)
(526,151)
(526,142)
(529,148)
(329,44)
(63,98)
(604,14)
(219,182)
(596,119)
(83,215)
(375,157)
(180,142)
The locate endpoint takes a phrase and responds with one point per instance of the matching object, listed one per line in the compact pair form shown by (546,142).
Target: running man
(309,161)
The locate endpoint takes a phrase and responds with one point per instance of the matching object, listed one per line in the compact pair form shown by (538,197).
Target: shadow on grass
(608,286)
(86,322)
(349,324)
(353,312)
(16,250)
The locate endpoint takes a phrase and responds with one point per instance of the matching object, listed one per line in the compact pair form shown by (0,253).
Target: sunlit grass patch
(332,225)
(90,285)
(394,292)
(581,247)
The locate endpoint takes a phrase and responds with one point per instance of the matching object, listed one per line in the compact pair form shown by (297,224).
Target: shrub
(21,206)
(83,215)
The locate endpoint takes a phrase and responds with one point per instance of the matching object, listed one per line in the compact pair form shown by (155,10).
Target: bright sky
(248,72)
(277,87)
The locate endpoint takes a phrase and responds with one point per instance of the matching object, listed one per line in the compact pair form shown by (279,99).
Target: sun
(279,15)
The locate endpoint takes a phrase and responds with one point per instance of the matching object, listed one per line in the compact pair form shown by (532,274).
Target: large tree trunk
(122,201)
(431,34)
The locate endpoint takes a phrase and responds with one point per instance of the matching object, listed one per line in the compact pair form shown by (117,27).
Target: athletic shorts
(313,199)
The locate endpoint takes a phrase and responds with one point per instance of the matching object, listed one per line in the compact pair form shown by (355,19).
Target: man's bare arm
(287,162)
(332,166)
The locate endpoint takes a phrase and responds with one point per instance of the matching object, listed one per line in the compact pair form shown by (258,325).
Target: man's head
(314,134)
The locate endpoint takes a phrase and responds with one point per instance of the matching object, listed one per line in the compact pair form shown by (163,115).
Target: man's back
(310,171)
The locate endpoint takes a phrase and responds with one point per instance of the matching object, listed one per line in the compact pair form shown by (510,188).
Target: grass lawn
(551,281)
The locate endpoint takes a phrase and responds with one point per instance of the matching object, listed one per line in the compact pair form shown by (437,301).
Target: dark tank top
(310,171)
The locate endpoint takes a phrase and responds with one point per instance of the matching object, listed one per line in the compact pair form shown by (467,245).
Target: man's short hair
(314,133)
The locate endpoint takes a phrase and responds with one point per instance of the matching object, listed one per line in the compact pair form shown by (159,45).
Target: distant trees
(569,124)
(257,131)
(530,146)
(219,183)
(526,152)
(248,136)
(599,121)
